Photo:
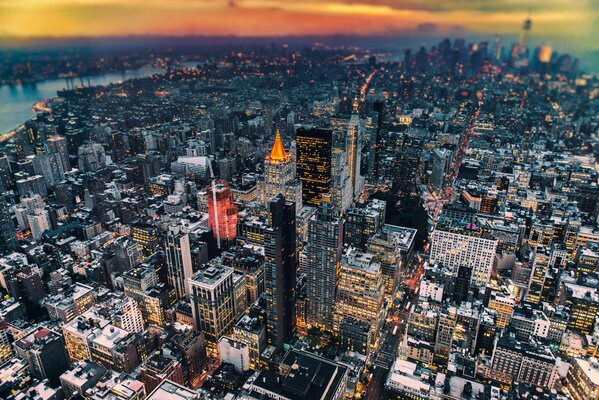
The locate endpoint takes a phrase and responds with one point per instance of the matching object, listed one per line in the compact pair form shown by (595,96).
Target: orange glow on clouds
(25,18)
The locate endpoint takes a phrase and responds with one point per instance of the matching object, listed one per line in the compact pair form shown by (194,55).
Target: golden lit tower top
(278,151)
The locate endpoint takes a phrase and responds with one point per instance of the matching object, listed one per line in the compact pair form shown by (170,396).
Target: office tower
(361,291)
(581,380)
(462,284)
(583,312)
(497,49)
(455,245)
(523,43)
(146,236)
(39,222)
(212,303)
(441,163)
(341,189)
(250,262)
(45,353)
(222,213)
(58,145)
(540,267)
(251,331)
(6,176)
(178,259)
(91,157)
(31,185)
(5,346)
(446,326)
(280,270)
(50,167)
(280,175)
(127,253)
(542,261)
(8,240)
(392,247)
(360,224)
(190,348)
(353,148)
(314,151)
(323,254)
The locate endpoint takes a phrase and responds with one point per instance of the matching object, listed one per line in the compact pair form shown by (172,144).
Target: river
(16,101)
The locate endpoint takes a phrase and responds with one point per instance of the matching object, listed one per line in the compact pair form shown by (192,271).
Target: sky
(571,22)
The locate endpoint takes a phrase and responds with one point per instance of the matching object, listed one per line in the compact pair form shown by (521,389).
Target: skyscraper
(280,271)
(212,303)
(8,240)
(280,175)
(323,254)
(361,291)
(314,150)
(441,160)
(222,212)
(178,259)
(353,148)
(341,189)
(58,144)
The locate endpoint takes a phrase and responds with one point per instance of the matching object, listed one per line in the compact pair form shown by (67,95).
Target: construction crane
(213,184)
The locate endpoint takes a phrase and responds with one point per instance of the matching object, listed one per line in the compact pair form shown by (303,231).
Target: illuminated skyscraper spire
(279,175)
(278,151)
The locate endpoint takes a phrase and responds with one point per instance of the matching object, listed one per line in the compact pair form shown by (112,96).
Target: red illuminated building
(222,212)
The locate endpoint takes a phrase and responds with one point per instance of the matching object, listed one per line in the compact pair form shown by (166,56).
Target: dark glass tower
(8,240)
(280,270)
(314,152)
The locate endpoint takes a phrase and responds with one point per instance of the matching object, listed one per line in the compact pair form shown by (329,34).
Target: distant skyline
(574,24)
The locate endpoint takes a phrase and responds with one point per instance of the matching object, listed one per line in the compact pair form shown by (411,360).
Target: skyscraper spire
(356,104)
(278,151)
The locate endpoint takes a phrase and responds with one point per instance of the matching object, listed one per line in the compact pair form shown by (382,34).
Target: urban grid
(303,222)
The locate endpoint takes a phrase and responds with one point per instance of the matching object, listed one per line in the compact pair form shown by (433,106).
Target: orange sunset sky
(571,21)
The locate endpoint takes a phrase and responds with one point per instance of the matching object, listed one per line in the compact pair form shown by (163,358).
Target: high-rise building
(212,303)
(222,212)
(280,270)
(314,150)
(50,167)
(361,291)
(323,254)
(360,224)
(582,381)
(523,43)
(353,148)
(39,222)
(178,259)
(58,145)
(8,240)
(341,189)
(543,260)
(457,245)
(441,161)
(280,175)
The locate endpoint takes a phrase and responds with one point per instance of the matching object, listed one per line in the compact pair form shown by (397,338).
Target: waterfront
(16,101)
